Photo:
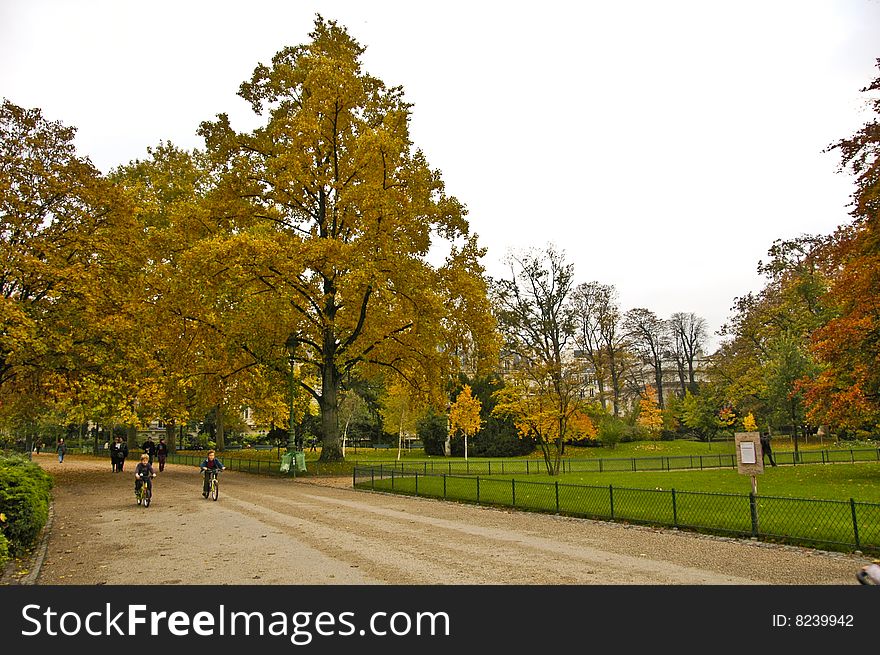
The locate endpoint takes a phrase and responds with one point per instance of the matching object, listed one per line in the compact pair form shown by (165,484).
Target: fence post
(478,489)
(823,456)
(444,486)
(557,496)
(392,479)
(851,456)
(417,483)
(490,467)
(674,510)
(634,463)
(852,506)
(513,492)
(611,498)
(373,479)
(753,510)
(527,464)
(600,464)
(354,477)
(502,467)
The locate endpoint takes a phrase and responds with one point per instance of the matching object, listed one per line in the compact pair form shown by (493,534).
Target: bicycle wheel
(139,496)
(148,495)
(215,489)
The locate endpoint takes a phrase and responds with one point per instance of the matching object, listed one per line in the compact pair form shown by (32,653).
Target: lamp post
(291,430)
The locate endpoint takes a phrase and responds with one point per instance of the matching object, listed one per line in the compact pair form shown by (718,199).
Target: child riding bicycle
(210,465)
(143,473)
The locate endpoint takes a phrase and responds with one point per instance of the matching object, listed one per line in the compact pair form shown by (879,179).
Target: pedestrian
(766,450)
(39,446)
(313,444)
(162,453)
(62,450)
(150,448)
(118,453)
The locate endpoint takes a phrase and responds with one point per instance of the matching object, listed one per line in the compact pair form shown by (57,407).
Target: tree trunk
(658,379)
(331,452)
(131,436)
(170,436)
(220,433)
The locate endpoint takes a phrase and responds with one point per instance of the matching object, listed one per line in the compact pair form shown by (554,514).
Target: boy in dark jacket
(143,473)
(210,464)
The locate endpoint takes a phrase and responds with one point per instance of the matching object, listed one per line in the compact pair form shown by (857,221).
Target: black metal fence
(261,466)
(832,524)
(617,464)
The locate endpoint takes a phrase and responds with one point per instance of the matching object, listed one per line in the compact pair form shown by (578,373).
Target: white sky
(663,145)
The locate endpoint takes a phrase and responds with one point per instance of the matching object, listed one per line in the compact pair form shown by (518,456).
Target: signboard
(749,458)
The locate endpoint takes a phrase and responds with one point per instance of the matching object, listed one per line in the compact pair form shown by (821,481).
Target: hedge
(24,504)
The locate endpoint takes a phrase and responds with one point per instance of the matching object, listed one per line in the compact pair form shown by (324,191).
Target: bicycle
(144,494)
(213,483)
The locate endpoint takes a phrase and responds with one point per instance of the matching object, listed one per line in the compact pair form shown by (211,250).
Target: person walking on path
(62,450)
(118,453)
(162,453)
(150,448)
(766,449)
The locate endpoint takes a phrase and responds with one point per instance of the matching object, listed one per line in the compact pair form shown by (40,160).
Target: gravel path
(283,531)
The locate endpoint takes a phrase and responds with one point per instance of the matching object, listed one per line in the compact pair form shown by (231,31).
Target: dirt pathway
(282,531)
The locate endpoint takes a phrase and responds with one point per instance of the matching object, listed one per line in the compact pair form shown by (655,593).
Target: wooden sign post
(750,461)
(749,457)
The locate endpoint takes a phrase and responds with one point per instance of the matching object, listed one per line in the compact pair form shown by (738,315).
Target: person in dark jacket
(150,448)
(62,450)
(162,453)
(118,453)
(210,463)
(766,449)
(143,473)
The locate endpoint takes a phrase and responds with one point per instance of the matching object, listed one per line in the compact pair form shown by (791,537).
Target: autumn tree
(749,423)
(331,213)
(601,338)
(688,338)
(464,416)
(650,414)
(538,324)
(764,356)
(61,269)
(649,338)
(847,391)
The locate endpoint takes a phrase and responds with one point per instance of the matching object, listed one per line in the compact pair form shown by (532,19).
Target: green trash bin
(300,460)
(286,460)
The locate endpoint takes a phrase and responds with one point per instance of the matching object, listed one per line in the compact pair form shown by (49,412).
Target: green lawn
(860,481)
(806,504)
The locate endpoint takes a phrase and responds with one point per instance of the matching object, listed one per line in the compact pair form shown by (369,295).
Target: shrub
(24,501)
(431,430)
(4,543)
(612,431)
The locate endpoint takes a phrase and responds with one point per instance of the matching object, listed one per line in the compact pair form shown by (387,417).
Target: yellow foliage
(464,414)
(749,423)
(650,415)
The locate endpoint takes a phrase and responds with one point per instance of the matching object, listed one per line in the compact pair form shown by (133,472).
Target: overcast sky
(663,145)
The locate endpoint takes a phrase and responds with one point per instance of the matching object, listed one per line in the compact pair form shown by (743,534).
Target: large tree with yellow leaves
(331,213)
